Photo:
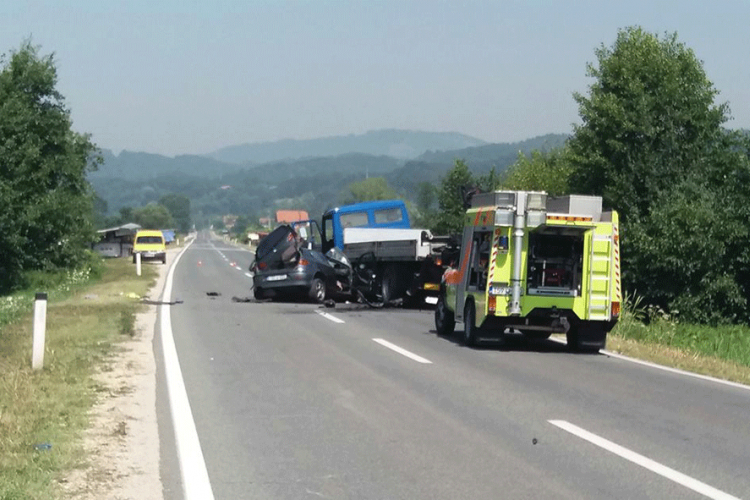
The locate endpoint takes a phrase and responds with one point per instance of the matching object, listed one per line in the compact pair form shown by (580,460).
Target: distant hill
(401,144)
(431,166)
(311,183)
(135,166)
(496,152)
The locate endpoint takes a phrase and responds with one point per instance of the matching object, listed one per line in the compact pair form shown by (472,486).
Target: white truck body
(388,244)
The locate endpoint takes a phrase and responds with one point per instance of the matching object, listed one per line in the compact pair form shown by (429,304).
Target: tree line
(47,206)
(652,142)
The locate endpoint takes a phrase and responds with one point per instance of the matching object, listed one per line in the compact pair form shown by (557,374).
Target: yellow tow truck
(535,264)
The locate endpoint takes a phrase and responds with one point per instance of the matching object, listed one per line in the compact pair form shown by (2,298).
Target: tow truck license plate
(278,277)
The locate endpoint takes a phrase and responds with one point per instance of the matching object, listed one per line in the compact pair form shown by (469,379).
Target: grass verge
(43,413)
(650,334)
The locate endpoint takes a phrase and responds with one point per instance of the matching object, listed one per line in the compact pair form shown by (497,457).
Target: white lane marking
(238,268)
(248,275)
(330,317)
(402,351)
(195,482)
(707,378)
(647,463)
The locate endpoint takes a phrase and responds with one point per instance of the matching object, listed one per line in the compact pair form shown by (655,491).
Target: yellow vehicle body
(150,244)
(537,266)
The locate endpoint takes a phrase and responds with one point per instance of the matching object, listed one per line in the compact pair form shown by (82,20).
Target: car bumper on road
(151,255)
(291,280)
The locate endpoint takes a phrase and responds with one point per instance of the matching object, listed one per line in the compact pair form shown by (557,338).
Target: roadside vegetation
(44,412)
(651,334)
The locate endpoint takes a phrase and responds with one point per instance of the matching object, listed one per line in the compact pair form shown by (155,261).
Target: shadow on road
(515,342)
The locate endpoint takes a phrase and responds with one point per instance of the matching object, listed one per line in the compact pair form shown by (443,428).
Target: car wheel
(445,320)
(470,327)
(317,291)
(258,293)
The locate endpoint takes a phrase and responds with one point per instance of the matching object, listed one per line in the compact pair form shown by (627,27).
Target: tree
(451,216)
(541,171)
(649,119)
(45,200)
(240,227)
(153,216)
(126,215)
(653,146)
(179,207)
(373,188)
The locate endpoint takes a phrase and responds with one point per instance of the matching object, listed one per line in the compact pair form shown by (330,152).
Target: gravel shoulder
(122,441)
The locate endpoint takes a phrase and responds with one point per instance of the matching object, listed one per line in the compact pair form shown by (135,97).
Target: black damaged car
(289,263)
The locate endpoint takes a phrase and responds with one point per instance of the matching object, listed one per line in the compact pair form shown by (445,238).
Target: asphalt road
(289,403)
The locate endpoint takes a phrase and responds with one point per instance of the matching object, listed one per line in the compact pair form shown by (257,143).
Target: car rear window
(149,239)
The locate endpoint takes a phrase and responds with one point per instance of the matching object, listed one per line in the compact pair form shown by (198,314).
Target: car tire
(258,293)
(445,319)
(317,292)
(470,328)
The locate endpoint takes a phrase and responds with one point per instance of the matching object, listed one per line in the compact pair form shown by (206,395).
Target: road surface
(292,401)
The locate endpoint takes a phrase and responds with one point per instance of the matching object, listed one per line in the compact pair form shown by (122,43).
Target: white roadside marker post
(138,263)
(40,323)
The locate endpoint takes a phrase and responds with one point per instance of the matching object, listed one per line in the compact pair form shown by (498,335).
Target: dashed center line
(402,351)
(330,317)
(647,463)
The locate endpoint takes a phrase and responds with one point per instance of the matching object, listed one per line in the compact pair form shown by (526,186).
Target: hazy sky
(181,76)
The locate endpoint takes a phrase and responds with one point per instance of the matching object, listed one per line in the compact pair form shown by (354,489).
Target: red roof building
(289,216)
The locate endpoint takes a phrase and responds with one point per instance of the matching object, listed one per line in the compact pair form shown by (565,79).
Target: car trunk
(278,250)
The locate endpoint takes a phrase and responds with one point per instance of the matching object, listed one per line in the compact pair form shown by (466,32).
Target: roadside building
(116,241)
(289,216)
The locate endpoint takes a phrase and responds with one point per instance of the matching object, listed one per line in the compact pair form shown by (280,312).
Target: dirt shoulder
(122,442)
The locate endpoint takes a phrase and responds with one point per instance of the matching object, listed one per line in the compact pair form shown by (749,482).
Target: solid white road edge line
(402,351)
(195,482)
(330,317)
(647,463)
(707,378)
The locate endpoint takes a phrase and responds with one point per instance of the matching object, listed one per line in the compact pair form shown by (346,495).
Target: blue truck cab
(386,213)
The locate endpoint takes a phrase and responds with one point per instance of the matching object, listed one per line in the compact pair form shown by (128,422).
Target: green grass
(86,317)
(651,325)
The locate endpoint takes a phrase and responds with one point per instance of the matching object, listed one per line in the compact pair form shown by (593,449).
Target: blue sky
(183,77)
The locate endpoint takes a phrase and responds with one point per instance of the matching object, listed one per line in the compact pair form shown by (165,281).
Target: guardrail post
(138,264)
(40,324)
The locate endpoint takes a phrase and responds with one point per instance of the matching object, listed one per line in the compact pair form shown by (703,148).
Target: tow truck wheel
(586,338)
(392,284)
(470,327)
(317,291)
(445,320)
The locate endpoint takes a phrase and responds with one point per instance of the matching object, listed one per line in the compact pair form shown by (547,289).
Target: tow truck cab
(370,214)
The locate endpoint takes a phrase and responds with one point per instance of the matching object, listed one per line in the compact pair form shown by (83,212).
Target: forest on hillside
(309,183)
